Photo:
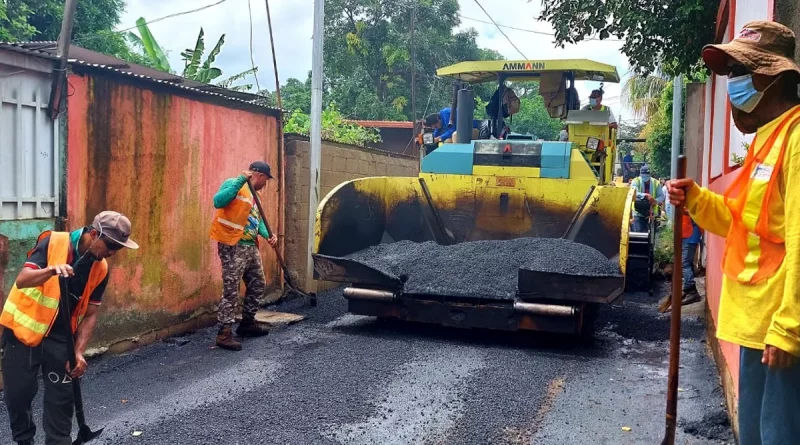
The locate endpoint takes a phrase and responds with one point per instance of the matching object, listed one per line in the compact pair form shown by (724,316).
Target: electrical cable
(177,14)
(252,61)
(544,33)
(500,29)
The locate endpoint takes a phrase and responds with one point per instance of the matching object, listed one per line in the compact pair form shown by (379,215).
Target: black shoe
(252,328)
(25,442)
(690,296)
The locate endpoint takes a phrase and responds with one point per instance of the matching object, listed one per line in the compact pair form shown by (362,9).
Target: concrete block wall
(340,163)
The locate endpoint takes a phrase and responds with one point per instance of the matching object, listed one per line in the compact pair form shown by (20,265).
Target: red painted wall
(159,159)
(715,246)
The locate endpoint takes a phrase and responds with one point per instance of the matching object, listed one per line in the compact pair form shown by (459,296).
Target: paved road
(342,379)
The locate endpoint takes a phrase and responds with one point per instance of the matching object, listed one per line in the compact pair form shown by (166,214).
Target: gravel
(486,268)
(714,426)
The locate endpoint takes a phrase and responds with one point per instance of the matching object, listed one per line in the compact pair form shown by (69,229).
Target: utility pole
(677,112)
(60,73)
(414,117)
(316,135)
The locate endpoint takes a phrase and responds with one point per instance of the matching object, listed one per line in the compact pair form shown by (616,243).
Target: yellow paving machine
(500,186)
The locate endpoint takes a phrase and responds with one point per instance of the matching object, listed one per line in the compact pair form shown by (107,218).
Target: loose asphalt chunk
(482,268)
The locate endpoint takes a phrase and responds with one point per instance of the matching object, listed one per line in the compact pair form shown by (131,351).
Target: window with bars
(29,158)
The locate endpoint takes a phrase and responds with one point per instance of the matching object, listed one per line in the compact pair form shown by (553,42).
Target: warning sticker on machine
(506,181)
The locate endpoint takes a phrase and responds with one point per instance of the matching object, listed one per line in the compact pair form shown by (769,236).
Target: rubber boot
(225,339)
(251,328)
(25,442)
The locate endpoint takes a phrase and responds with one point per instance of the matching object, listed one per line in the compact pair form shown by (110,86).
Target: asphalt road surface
(338,378)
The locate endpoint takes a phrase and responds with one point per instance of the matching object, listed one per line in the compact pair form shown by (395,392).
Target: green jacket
(227,193)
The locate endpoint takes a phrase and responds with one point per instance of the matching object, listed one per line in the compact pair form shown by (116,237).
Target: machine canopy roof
(491,70)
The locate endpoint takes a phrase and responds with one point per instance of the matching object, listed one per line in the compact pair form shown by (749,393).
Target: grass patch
(663,249)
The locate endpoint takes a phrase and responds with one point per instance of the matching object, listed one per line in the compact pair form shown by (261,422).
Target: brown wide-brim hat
(763,47)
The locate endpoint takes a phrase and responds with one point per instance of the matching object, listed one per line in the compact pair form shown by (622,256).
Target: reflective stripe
(230,224)
(23,320)
(40,298)
(245,199)
(751,259)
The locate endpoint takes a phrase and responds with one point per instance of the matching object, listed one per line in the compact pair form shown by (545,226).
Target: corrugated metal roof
(83,57)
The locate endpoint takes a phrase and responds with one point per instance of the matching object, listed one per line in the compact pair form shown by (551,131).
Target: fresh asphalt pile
(488,269)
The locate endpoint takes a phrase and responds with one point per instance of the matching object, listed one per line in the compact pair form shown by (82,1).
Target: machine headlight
(593,144)
(427,138)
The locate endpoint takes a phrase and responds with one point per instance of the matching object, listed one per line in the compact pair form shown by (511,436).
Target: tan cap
(115,226)
(763,47)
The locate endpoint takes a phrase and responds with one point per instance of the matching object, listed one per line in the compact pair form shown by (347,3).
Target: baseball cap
(261,167)
(645,170)
(763,47)
(116,227)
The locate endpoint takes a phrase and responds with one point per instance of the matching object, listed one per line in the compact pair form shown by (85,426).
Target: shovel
(311,297)
(675,328)
(85,434)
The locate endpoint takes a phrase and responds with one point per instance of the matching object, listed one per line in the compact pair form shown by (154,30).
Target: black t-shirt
(75,285)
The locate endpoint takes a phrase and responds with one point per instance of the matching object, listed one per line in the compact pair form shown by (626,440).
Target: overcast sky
(292,26)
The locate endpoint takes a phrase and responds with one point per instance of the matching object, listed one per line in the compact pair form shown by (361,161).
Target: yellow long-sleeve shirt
(767,312)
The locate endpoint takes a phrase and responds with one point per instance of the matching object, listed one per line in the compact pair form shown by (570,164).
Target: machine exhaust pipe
(545,309)
(355,293)
(639,235)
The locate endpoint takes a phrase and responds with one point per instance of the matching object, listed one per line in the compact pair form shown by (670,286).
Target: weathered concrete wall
(159,158)
(694,132)
(787,12)
(16,239)
(340,163)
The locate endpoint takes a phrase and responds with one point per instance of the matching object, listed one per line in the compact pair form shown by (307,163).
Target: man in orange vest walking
(35,333)
(759,216)
(236,227)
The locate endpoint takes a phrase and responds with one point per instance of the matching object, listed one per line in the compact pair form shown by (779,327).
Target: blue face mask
(593,102)
(743,94)
(645,177)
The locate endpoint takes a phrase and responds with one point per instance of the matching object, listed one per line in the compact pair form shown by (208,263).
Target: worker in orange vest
(236,228)
(36,333)
(759,216)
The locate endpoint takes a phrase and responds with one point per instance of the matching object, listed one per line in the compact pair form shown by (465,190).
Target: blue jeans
(689,251)
(641,224)
(769,402)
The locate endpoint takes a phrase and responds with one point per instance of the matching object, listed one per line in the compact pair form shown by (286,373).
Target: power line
(252,61)
(500,29)
(544,33)
(95,36)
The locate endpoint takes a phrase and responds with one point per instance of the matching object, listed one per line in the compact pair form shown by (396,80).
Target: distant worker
(236,227)
(628,167)
(647,189)
(758,216)
(691,240)
(36,333)
(442,130)
(595,104)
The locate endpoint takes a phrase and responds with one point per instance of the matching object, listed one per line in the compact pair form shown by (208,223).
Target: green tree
(665,33)
(368,57)
(641,93)
(194,67)
(95,20)
(334,127)
(659,135)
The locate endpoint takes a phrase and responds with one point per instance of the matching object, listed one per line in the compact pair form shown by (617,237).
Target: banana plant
(194,66)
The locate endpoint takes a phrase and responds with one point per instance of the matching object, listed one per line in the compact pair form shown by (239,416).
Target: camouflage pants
(240,262)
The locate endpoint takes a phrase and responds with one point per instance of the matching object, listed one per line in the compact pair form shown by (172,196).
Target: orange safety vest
(752,253)
(229,221)
(31,312)
(686,226)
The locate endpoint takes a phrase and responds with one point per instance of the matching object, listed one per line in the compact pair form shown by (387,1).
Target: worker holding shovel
(759,216)
(236,228)
(39,332)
